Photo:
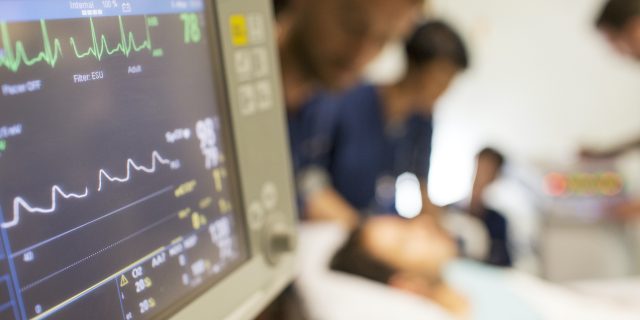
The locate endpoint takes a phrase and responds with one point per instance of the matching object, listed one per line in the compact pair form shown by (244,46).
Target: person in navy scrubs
(373,134)
(324,47)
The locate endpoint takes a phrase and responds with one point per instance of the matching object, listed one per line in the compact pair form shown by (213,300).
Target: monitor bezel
(222,100)
(252,286)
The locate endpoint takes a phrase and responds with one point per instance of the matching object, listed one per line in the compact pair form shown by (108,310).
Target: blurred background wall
(543,83)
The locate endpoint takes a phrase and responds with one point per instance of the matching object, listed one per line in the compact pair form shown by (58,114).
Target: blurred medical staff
(620,22)
(374,134)
(324,47)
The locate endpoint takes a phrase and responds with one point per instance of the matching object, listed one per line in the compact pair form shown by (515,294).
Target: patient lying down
(408,255)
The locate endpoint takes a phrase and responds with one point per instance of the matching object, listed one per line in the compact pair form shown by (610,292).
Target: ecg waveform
(15,56)
(20,204)
(127,43)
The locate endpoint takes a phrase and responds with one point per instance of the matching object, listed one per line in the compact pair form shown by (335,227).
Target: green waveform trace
(14,58)
(100,48)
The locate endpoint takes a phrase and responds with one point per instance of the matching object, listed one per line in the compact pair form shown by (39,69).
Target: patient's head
(436,54)
(407,254)
(620,22)
(489,163)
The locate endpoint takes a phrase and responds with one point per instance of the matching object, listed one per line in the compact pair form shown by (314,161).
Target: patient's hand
(328,205)
(436,291)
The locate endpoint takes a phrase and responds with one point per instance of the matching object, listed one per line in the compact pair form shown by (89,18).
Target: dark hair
(493,153)
(354,259)
(280,5)
(617,13)
(436,40)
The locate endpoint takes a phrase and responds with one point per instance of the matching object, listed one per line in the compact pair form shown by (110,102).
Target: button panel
(252,66)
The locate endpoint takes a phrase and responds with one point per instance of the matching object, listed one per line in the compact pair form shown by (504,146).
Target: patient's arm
(452,301)
(328,205)
(321,201)
(611,153)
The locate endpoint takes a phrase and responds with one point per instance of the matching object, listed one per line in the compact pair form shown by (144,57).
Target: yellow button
(239,30)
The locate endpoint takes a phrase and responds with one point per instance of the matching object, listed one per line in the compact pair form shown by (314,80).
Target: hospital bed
(493,293)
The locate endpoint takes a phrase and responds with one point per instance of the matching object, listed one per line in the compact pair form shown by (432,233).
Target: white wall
(543,82)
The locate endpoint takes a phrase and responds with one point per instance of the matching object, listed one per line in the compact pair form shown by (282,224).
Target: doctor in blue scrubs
(324,46)
(372,134)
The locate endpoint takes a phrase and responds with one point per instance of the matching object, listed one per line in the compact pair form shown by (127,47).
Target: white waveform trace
(155,159)
(57,192)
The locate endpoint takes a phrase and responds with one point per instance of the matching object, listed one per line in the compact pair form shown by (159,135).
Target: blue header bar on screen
(30,10)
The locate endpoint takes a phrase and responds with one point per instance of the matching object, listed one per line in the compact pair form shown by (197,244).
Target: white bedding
(495,294)
(334,296)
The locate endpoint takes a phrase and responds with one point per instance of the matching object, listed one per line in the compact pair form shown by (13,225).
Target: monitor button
(247,99)
(270,195)
(256,216)
(264,95)
(260,62)
(256,28)
(243,64)
(280,240)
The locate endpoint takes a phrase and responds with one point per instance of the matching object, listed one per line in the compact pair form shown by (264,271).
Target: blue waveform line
(20,204)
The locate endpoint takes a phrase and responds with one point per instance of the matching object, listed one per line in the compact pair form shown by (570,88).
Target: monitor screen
(117,192)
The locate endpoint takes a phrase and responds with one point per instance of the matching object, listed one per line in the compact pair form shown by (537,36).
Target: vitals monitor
(144,168)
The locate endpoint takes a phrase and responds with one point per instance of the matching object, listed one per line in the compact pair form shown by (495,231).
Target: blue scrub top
(349,137)
(311,131)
